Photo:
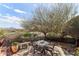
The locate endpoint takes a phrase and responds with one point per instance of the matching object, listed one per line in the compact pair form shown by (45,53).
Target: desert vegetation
(51,31)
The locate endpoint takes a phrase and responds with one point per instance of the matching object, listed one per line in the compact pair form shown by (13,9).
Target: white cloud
(6,6)
(19,11)
(16,10)
(0,14)
(11,19)
(35,5)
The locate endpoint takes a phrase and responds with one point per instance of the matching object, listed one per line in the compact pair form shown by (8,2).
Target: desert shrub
(27,34)
(77,51)
(55,35)
(2,33)
(14,43)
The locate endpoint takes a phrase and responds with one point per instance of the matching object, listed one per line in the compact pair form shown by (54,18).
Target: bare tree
(61,14)
(50,19)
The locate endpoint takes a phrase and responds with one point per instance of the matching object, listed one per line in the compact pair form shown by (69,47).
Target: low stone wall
(24,52)
(5,50)
(2,51)
(24,45)
(64,40)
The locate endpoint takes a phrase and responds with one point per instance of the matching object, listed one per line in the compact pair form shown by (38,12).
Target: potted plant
(14,47)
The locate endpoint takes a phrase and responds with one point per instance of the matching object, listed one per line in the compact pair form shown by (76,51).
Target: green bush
(27,34)
(54,35)
(2,32)
(14,43)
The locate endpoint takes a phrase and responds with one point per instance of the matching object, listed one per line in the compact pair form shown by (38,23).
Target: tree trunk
(45,35)
(76,42)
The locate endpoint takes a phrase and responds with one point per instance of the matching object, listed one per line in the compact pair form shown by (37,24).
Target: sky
(12,13)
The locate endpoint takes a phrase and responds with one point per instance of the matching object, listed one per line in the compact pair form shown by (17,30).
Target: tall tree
(50,19)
